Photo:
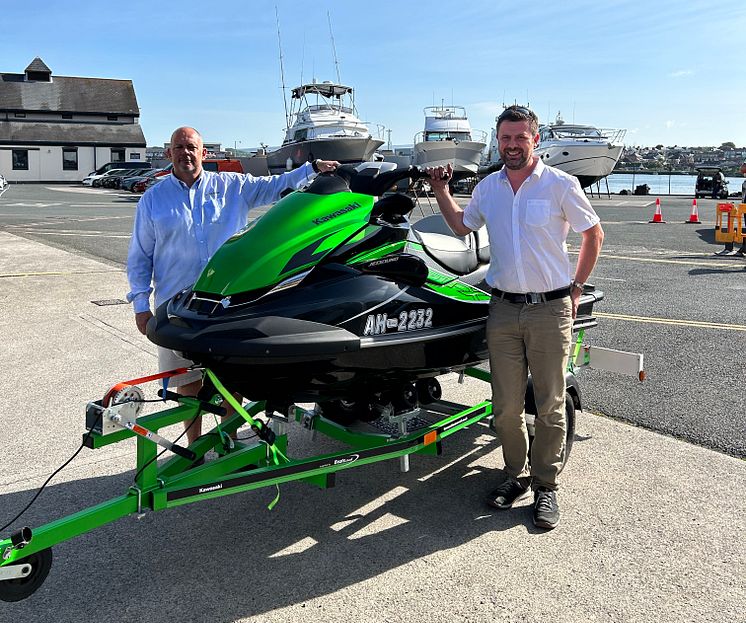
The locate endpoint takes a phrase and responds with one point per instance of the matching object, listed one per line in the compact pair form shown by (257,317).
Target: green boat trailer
(26,556)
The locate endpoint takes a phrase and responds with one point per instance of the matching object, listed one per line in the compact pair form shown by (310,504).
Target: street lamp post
(235,147)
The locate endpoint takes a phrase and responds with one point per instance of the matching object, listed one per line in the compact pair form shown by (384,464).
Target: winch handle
(208,407)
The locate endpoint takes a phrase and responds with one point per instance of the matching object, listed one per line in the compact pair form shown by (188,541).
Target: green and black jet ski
(333,296)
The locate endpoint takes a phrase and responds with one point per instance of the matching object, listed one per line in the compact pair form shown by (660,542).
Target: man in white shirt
(181,222)
(528,209)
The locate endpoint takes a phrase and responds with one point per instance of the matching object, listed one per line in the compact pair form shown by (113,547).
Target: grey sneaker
(546,509)
(507,494)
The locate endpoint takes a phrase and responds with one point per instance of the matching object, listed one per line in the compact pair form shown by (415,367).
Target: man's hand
(439,177)
(575,298)
(325,166)
(141,320)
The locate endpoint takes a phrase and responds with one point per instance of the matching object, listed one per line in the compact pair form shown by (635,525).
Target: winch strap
(255,424)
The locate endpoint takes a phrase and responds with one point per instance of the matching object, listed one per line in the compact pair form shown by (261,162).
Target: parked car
(152,182)
(121,165)
(115,181)
(97,180)
(129,183)
(89,179)
(710,183)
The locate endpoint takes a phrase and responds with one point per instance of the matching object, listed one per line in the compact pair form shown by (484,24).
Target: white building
(60,128)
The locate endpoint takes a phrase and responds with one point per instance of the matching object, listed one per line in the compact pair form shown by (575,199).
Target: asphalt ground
(652,526)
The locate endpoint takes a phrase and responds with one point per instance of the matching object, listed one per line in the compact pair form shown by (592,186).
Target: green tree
(728,145)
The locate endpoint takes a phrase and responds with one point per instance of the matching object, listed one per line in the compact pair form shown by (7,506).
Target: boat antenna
(282,69)
(334,48)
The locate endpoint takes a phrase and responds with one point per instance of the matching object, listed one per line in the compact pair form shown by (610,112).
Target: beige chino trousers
(520,338)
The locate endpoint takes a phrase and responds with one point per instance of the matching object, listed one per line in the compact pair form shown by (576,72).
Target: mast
(282,70)
(334,48)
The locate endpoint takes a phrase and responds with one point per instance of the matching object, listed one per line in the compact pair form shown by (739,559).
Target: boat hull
(589,163)
(346,150)
(463,155)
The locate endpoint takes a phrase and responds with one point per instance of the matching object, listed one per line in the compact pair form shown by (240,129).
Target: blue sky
(669,72)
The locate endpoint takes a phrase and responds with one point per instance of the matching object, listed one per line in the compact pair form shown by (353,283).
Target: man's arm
(590,248)
(266,189)
(140,264)
(452,212)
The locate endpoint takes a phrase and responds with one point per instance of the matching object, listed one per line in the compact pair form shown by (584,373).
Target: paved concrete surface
(652,527)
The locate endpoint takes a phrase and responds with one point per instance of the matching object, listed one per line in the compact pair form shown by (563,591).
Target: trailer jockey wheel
(569,433)
(16,590)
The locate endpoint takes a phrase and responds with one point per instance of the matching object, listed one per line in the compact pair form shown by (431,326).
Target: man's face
(515,143)
(186,152)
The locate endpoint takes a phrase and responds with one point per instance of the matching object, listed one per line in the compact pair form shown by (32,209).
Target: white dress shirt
(528,229)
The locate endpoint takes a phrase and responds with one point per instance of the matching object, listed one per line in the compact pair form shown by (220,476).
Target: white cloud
(670,124)
(681,73)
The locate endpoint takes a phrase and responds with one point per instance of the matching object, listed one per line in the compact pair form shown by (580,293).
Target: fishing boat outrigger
(330,298)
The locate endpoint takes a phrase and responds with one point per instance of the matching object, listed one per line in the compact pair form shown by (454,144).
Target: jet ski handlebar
(375,181)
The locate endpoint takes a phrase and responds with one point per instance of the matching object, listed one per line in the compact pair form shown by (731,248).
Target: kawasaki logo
(333,215)
(216,487)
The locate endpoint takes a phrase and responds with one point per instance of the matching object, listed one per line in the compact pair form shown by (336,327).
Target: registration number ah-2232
(411,320)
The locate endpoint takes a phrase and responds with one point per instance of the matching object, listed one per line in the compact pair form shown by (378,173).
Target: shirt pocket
(537,212)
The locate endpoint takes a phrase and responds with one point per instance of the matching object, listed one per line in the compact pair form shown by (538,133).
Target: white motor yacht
(323,124)
(448,137)
(587,152)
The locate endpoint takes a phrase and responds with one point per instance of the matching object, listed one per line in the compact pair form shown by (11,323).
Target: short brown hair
(519,113)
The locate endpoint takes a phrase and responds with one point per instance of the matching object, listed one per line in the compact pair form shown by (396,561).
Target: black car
(711,183)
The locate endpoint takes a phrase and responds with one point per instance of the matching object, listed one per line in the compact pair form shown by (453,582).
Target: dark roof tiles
(68,94)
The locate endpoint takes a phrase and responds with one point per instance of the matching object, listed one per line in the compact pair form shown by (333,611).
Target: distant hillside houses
(60,128)
(681,158)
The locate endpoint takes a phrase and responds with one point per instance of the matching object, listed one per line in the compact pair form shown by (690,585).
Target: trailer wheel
(16,590)
(569,433)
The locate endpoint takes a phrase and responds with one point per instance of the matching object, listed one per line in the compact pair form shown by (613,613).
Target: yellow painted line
(58,273)
(674,322)
(654,260)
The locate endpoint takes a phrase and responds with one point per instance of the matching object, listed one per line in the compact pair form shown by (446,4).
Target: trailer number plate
(412,320)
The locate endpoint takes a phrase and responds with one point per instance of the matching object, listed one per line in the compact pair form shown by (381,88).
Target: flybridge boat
(332,295)
(323,124)
(587,152)
(448,138)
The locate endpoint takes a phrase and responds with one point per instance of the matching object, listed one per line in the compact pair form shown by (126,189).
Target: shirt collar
(538,170)
(181,184)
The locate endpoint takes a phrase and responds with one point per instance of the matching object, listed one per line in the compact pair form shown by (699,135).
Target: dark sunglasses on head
(521,110)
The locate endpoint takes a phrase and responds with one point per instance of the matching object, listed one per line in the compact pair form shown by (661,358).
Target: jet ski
(334,297)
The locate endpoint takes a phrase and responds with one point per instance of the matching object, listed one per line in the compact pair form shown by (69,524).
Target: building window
(69,158)
(67,115)
(20,159)
(117,155)
(19,115)
(112,117)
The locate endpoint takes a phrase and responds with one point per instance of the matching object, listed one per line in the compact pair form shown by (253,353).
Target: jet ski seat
(459,254)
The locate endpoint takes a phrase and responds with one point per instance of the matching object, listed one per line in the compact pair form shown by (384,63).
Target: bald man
(181,222)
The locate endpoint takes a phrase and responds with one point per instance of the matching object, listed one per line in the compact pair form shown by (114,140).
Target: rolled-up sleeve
(140,257)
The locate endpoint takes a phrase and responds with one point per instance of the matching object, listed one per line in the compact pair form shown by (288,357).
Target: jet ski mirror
(404,268)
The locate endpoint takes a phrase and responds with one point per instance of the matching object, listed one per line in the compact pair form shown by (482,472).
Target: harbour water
(662,184)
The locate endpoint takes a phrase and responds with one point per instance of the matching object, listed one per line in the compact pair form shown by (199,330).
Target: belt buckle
(533,298)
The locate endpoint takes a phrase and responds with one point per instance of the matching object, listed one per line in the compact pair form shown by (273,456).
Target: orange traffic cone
(658,216)
(694,216)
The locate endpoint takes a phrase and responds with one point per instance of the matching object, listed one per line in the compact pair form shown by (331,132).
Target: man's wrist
(577,285)
(315,166)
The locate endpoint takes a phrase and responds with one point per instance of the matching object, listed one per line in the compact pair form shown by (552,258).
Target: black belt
(531,298)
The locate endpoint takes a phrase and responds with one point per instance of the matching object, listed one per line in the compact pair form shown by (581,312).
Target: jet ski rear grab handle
(241,465)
